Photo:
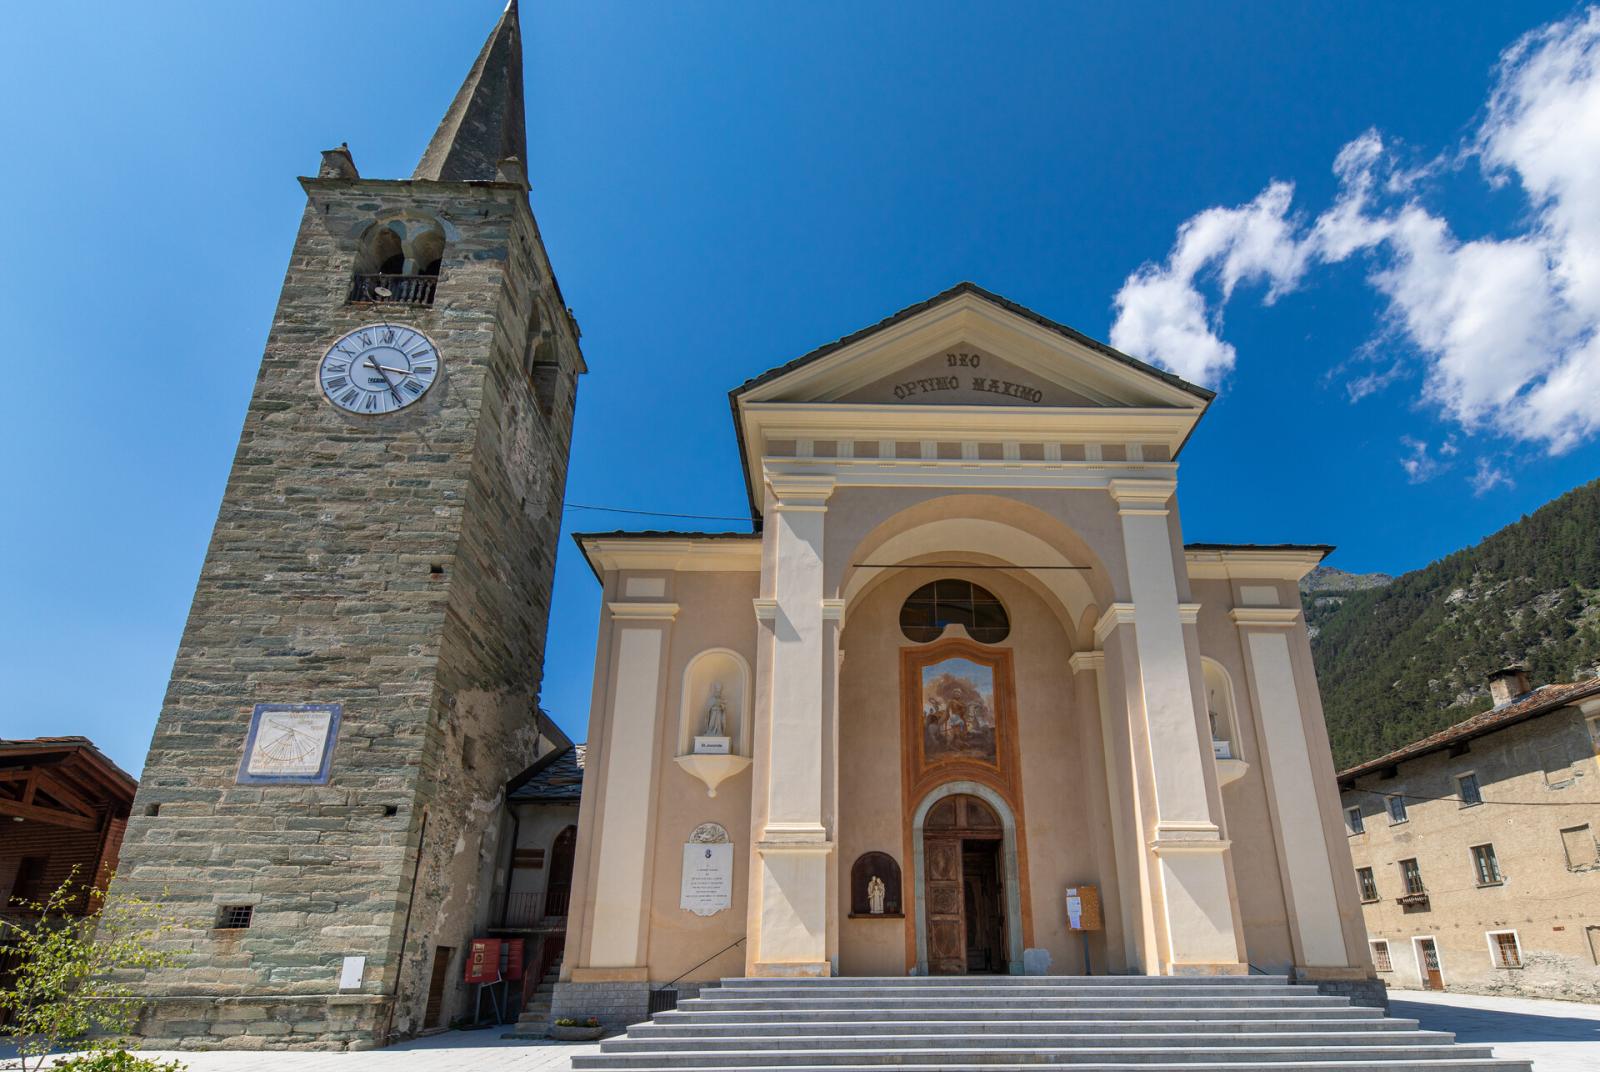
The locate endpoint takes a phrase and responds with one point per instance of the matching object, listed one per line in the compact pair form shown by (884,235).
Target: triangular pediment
(967,347)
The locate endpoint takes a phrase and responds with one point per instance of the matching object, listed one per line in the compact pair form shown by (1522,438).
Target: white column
(793,845)
(1307,872)
(1200,918)
(619,919)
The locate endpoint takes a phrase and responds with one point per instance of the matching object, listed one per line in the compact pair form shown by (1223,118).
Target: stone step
(1029,1040)
(1005,990)
(944,1057)
(924,981)
(1469,1064)
(969,1026)
(885,1001)
(980,1012)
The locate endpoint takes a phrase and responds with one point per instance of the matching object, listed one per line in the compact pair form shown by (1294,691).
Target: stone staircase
(534,1023)
(1094,1024)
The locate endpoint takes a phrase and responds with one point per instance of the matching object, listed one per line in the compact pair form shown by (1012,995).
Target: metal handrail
(736,942)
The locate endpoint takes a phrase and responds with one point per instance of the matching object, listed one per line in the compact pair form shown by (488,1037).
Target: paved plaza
(1557,1036)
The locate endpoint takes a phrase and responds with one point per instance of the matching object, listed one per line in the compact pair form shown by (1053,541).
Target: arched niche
(882,866)
(715,666)
(1222,711)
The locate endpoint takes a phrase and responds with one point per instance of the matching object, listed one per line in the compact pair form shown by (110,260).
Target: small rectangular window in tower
(1485,866)
(1352,818)
(469,751)
(1467,787)
(1397,809)
(1368,883)
(1380,956)
(1504,949)
(1579,843)
(235,917)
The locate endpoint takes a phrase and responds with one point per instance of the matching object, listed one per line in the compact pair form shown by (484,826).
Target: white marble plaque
(707,878)
(351,971)
(711,746)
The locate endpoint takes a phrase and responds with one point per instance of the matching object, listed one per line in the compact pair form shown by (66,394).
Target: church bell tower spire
(485,123)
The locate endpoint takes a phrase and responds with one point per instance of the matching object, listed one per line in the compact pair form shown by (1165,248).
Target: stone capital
(1087,660)
(797,492)
(1115,615)
(1145,497)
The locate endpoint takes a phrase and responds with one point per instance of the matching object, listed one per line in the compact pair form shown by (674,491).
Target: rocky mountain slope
(1401,658)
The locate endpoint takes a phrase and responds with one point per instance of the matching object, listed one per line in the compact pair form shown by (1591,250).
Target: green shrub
(115,1061)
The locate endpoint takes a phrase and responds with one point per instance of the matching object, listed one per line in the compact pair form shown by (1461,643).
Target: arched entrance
(969,904)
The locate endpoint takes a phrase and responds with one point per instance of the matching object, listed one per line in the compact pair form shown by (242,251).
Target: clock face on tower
(379,368)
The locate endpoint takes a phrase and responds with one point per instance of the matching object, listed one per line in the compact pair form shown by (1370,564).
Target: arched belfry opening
(398,261)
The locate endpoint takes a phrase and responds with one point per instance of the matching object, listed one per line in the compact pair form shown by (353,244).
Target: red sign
(483,961)
(511,959)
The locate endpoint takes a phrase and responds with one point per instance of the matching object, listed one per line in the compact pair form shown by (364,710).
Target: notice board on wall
(1083,908)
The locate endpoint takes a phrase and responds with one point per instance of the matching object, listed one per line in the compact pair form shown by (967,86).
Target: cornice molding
(643,611)
(1265,617)
(1153,492)
(801,491)
(1188,613)
(832,610)
(608,553)
(766,609)
(1252,564)
(1115,615)
(1087,660)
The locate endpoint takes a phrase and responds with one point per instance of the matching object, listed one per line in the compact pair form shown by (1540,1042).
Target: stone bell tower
(359,673)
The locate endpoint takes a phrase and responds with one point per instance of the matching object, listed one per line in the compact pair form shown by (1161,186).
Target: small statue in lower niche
(875,895)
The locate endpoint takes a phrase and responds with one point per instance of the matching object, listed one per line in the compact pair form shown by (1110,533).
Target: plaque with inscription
(707,878)
(290,743)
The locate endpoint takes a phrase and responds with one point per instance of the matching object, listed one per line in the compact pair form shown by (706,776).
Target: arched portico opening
(943,897)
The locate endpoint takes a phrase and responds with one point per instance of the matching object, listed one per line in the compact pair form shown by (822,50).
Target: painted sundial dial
(290,741)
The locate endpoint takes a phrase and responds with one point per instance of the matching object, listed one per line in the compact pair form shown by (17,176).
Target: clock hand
(371,364)
(391,368)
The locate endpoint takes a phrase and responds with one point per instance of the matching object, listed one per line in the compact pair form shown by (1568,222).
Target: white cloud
(1161,314)
(1418,463)
(1507,330)
(1488,477)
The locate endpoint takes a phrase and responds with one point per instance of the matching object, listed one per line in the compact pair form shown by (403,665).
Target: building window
(1467,786)
(1368,883)
(1352,818)
(1579,843)
(1485,865)
(1504,950)
(235,917)
(1411,875)
(1380,956)
(953,602)
(28,886)
(1397,808)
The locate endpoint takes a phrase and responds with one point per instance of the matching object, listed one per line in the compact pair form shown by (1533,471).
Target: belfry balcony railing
(394,289)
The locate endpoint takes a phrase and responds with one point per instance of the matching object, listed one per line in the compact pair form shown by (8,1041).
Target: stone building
(1474,849)
(964,680)
(357,680)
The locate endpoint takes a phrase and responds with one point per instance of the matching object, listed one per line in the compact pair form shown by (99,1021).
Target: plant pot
(576,1034)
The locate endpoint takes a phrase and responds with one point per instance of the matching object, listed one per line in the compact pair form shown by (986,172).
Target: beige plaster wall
(1065,814)
(714,612)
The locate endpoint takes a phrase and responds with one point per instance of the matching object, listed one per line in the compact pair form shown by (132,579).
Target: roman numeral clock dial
(379,369)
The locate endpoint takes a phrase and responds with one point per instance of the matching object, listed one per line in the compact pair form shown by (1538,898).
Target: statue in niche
(875,894)
(716,713)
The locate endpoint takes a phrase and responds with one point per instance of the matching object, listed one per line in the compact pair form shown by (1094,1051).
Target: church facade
(964,702)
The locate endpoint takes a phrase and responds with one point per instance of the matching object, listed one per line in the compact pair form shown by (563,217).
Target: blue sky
(725,186)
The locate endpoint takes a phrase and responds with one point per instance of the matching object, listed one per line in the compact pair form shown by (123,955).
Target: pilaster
(1314,920)
(1198,926)
(793,847)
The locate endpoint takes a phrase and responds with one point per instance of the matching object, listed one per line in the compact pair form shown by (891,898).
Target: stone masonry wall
(378,563)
